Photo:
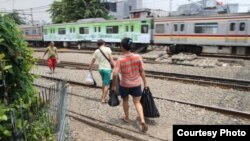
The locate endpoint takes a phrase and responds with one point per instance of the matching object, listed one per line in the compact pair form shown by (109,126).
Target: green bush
(18,93)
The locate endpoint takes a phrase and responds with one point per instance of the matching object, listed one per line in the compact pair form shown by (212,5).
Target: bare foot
(126,120)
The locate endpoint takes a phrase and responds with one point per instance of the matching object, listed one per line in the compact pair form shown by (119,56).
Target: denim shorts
(134,91)
(105,74)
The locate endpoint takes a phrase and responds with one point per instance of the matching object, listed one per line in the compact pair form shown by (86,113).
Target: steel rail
(108,127)
(207,107)
(201,80)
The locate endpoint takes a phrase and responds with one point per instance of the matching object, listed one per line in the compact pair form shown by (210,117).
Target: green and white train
(90,30)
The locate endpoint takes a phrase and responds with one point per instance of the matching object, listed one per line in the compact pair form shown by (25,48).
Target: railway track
(221,110)
(103,125)
(116,51)
(225,56)
(201,80)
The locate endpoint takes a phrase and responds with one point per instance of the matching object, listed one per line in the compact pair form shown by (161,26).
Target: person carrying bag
(118,78)
(104,67)
(131,68)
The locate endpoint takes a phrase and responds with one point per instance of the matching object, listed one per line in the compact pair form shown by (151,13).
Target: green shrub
(18,93)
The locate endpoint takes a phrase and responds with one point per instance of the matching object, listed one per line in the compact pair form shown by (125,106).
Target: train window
(95,29)
(70,30)
(99,29)
(27,32)
(132,28)
(45,31)
(61,31)
(33,31)
(160,28)
(84,30)
(210,28)
(242,26)
(112,29)
(74,30)
(182,27)
(127,29)
(144,29)
(175,27)
(232,26)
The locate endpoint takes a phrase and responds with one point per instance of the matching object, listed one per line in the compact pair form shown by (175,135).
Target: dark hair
(126,43)
(100,42)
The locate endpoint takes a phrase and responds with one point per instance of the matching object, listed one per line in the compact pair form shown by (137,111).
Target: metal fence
(53,99)
(56,97)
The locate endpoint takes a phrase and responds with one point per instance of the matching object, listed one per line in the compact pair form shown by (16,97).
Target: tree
(73,10)
(15,16)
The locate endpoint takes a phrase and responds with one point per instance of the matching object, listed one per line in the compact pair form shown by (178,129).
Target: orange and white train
(222,33)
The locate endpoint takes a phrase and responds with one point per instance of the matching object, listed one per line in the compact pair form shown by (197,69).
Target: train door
(231,32)
(72,32)
(126,33)
(182,32)
(97,32)
(178,32)
(242,32)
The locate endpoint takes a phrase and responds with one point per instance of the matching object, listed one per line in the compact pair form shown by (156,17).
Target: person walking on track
(104,58)
(131,68)
(52,56)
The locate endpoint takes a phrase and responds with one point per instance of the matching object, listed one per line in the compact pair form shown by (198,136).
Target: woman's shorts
(52,62)
(134,91)
(105,74)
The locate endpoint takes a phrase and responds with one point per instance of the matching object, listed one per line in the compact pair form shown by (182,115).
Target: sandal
(144,127)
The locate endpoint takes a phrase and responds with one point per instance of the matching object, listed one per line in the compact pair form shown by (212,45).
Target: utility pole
(31,14)
(170,7)
(13,5)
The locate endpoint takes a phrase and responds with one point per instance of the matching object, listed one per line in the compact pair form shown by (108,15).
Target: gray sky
(40,6)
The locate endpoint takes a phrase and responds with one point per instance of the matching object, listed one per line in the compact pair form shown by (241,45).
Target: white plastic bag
(89,80)
(58,61)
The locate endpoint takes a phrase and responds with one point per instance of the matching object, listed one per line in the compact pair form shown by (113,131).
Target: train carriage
(229,33)
(33,34)
(90,30)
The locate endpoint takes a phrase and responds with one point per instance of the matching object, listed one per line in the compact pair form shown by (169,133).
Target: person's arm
(56,53)
(115,75)
(142,73)
(91,64)
(143,76)
(45,53)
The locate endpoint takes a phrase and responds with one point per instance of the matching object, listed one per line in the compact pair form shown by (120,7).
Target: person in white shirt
(104,64)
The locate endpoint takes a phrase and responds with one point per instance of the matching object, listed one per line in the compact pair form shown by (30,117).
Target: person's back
(101,60)
(130,67)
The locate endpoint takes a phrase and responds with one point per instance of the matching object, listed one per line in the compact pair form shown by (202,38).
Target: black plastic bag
(113,99)
(117,85)
(148,104)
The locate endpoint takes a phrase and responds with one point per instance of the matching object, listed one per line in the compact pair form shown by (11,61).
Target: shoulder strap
(104,55)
